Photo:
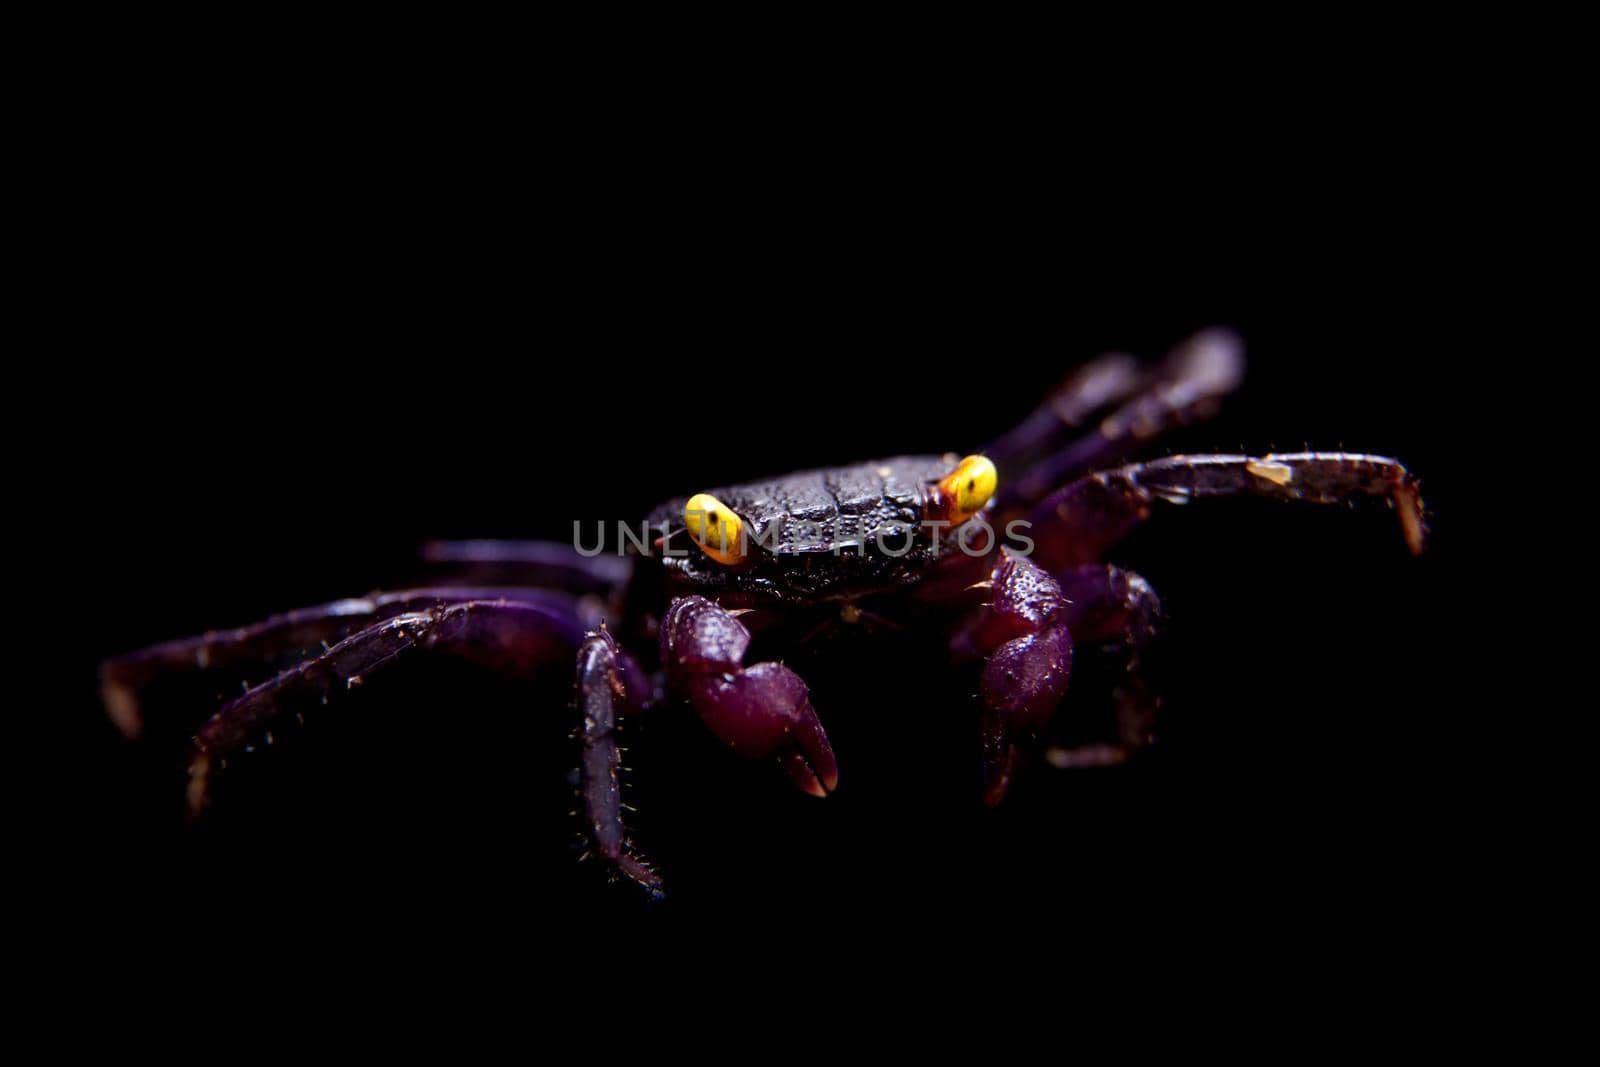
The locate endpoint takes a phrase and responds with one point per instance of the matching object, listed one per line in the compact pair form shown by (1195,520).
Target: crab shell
(833,533)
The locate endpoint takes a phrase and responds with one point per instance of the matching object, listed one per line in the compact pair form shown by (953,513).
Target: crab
(1002,554)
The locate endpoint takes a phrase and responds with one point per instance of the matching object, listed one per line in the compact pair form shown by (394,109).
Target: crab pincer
(1029,650)
(761,710)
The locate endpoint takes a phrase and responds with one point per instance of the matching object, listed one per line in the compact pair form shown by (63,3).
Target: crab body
(1002,552)
(831,534)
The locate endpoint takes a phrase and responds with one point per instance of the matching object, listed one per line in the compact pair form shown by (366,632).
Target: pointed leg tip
(123,708)
(809,757)
(641,875)
(805,778)
(198,794)
(1408,503)
(1000,761)
(1416,534)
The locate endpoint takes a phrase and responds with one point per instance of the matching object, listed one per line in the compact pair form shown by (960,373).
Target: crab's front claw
(807,757)
(1029,659)
(1023,682)
(1026,677)
(766,711)
(762,710)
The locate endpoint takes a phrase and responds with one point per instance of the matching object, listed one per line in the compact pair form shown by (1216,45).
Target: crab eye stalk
(715,528)
(964,491)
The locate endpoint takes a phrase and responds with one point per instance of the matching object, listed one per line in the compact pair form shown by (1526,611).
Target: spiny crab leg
(762,710)
(281,641)
(607,683)
(1024,630)
(1108,604)
(1188,386)
(1077,523)
(1083,394)
(516,638)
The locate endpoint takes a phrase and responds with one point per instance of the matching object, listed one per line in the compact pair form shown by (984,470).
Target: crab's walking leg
(263,649)
(1077,523)
(760,710)
(547,564)
(1188,386)
(603,690)
(1106,604)
(514,638)
(1081,395)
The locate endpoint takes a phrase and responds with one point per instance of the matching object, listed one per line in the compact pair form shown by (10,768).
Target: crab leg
(278,643)
(1082,394)
(515,639)
(1106,603)
(1137,707)
(1111,604)
(607,681)
(761,710)
(1077,523)
(1187,387)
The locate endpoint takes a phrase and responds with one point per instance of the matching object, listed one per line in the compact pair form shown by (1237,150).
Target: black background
(293,402)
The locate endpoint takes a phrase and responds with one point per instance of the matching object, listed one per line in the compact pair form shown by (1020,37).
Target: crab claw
(1029,652)
(766,711)
(1026,677)
(807,757)
(762,710)
(1022,683)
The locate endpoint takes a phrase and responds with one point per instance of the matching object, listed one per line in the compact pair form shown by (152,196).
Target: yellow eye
(715,528)
(968,488)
